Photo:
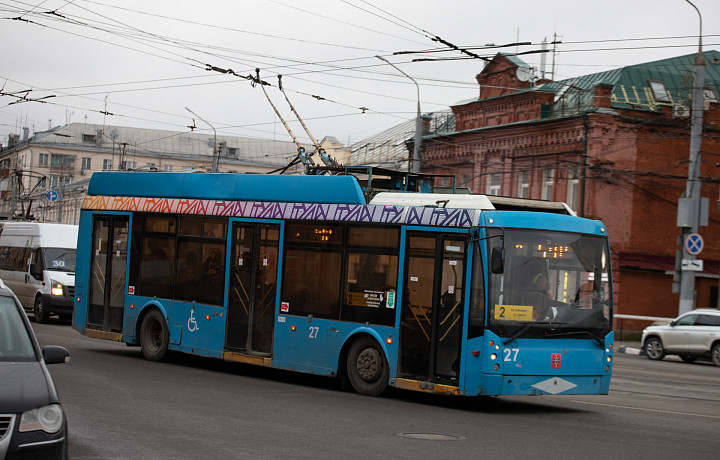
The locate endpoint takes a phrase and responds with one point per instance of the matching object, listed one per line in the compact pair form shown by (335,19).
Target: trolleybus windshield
(553,284)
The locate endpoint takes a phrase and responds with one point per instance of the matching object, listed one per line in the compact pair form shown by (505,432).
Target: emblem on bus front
(556,361)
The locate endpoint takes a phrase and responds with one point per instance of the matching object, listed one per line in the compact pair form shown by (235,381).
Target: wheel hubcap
(654,349)
(368,365)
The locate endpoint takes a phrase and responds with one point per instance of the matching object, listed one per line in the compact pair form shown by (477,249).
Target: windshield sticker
(285,307)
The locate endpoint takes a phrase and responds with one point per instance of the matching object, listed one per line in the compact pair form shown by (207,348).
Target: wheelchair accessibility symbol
(192,324)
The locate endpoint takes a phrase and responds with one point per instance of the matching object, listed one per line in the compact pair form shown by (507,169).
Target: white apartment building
(45,175)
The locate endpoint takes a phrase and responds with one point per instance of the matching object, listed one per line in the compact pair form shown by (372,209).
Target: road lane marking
(646,409)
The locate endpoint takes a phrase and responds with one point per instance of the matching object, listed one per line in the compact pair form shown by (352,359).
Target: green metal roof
(631,87)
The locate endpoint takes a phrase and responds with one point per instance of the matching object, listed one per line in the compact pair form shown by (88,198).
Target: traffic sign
(694,244)
(52,195)
(692,265)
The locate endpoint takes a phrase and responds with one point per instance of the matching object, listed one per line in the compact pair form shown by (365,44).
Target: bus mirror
(497,260)
(35,273)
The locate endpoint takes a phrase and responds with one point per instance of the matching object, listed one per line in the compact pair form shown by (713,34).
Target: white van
(37,261)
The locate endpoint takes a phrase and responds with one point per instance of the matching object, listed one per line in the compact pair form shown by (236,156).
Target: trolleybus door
(107,273)
(432,307)
(252,288)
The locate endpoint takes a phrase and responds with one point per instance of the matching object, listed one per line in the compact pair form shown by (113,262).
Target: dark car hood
(23,386)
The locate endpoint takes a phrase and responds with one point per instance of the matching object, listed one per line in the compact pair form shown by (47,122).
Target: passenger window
(687,320)
(3,256)
(705,320)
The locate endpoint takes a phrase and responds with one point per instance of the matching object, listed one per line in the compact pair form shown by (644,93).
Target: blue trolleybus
(444,293)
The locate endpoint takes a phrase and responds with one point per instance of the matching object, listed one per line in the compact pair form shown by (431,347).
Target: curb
(630,350)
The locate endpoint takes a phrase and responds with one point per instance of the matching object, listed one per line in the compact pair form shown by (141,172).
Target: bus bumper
(57,304)
(555,385)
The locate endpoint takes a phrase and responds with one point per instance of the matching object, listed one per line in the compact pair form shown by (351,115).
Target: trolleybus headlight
(493,356)
(46,418)
(56,288)
(609,358)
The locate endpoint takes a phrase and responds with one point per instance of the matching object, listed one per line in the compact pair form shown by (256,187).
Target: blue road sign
(52,195)
(694,244)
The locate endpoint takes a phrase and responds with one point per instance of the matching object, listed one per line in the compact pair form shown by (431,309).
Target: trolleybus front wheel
(154,336)
(367,368)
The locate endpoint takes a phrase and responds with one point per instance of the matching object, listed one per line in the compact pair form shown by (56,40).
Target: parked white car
(691,335)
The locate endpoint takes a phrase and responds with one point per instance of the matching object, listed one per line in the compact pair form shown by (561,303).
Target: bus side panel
(197,328)
(313,345)
(307,344)
(82,271)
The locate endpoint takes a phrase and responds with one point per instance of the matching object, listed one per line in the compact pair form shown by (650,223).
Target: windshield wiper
(527,326)
(599,341)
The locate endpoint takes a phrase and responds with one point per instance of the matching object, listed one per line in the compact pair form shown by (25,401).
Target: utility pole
(215,159)
(414,163)
(692,209)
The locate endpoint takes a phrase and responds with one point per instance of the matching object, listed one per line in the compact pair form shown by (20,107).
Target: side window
(312,268)
(201,260)
(687,320)
(181,258)
(3,256)
(705,320)
(371,267)
(156,269)
(37,261)
(477,295)
(16,259)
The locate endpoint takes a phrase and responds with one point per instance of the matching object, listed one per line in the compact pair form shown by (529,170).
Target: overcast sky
(144,62)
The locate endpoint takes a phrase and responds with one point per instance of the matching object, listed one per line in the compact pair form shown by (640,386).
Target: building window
(62,161)
(85,163)
(493,184)
(659,91)
(548,179)
(129,165)
(233,152)
(573,188)
(43,159)
(88,138)
(107,165)
(523,186)
(188,168)
(710,93)
(168,168)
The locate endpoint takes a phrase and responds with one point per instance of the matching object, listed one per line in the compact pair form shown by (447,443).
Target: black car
(32,420)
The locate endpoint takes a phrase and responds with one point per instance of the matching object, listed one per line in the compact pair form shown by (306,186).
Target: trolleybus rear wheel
(154,336)
(367,368)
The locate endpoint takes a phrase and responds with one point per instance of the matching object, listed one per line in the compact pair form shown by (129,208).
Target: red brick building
(614,146)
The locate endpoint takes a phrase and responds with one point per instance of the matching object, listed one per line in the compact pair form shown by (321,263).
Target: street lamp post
(692,205)
(414,164)
(215,151)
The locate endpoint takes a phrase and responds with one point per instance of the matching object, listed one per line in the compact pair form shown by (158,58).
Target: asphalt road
(121,406)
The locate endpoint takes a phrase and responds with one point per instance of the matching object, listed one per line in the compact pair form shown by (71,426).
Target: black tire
(154,336)
(39,311)
(367,368)
(715,354)
(688,358)
(654,349)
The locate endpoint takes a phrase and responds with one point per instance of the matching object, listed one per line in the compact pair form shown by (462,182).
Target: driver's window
(687,320)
